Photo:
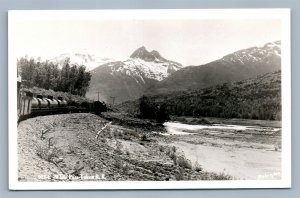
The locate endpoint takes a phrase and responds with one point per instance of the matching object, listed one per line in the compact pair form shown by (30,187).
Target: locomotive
(31,105)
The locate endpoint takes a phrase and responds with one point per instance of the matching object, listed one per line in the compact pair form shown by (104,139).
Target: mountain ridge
(240,65)
(125,80)
(84,57)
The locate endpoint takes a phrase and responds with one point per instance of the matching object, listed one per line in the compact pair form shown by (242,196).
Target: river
(176,128)
(229,148)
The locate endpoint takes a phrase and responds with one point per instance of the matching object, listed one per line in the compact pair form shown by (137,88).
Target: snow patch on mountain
(85,57)
(255,54)
(144,69)
(143,64)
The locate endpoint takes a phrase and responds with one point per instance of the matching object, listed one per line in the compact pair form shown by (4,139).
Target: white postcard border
(283,14)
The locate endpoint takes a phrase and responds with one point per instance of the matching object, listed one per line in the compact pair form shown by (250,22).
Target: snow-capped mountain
(83,57)
(240,65)
(144,64)
(125,80)
(255,54)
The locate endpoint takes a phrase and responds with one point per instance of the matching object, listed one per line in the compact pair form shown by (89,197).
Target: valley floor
(86,147)
(242,152)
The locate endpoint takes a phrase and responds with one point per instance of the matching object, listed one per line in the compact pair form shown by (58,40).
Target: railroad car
(30,105)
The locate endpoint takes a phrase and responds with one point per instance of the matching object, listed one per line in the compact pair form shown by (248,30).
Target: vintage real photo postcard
(149,99)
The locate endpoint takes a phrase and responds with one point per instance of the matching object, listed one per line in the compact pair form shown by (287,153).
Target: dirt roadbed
(86,147)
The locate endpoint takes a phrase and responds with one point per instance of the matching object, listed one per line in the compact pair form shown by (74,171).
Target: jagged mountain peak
(144,54)
(155,53)
(128,79)
(139,52)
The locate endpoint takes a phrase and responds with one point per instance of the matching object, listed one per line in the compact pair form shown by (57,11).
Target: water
(176,128)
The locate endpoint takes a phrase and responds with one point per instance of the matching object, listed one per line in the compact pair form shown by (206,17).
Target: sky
(189,42)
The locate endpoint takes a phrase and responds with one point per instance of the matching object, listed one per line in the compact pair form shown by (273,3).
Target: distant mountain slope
(126,80)
(239,65)
(85,57)
(256,98)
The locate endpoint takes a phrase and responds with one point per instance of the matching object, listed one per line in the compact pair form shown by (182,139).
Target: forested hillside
(258,98)
(69,78)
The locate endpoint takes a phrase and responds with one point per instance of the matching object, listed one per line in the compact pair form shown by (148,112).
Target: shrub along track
(66,148)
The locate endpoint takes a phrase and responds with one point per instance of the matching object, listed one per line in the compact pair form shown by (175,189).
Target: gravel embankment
(66,148)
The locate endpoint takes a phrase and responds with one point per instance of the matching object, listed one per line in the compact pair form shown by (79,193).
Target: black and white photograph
(149,99)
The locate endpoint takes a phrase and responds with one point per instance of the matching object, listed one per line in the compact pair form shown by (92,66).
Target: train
(32,105)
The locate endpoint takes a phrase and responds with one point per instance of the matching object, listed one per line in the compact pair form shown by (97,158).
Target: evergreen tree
(70,78)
